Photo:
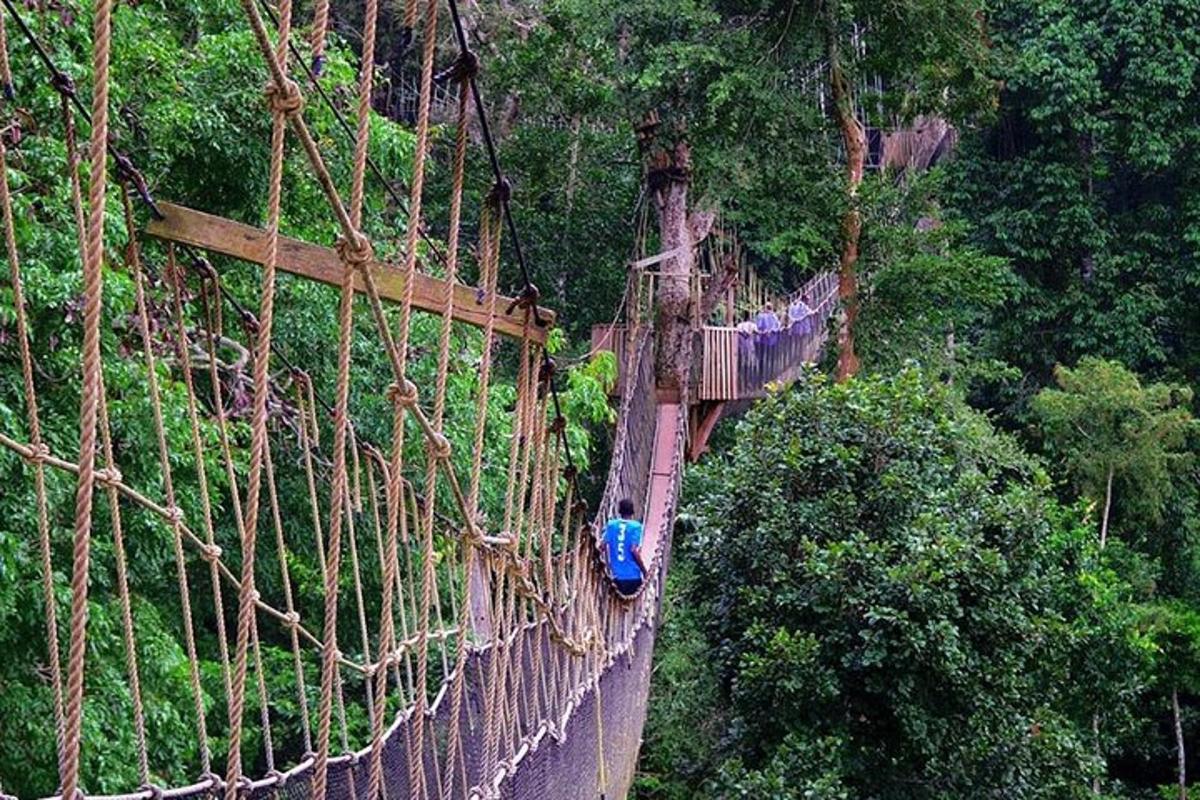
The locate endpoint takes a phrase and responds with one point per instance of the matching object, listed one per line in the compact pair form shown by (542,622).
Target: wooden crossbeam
(245,242)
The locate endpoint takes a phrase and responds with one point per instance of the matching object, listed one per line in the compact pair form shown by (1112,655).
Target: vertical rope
(293,618)
(320,31)
(489,250)
(281,107)
(6,80)
(387,637)
(211,312)
(39,448)
(164,458)
(93,287)
(354,251)
(108,477)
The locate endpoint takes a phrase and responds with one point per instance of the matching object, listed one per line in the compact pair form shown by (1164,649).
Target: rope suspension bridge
(457,645)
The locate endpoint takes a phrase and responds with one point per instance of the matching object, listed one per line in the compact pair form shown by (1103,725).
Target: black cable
(503,197)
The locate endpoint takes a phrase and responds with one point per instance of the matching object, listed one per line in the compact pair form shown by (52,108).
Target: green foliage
(1106,425)
(896,606)
(927,294)
(1087,183)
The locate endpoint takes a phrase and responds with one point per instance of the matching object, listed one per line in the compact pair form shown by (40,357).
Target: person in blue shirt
(623,543)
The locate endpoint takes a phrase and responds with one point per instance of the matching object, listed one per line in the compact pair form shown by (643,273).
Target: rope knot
(108,477)
(155,791)
(528,298)
(405,395)
(285,99)
(249,321)
(216,784)
(175,515)
(292,619)
(62,83)
(501,192)
(547,370)
(355,252)
(570,472)
(210,553)
(440,447)
(464,68)
(280,778)
(205,268)
(38,453)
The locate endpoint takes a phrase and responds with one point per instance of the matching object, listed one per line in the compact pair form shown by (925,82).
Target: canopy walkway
(461,643)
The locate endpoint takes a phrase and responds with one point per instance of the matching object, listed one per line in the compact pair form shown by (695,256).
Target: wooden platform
(247,243)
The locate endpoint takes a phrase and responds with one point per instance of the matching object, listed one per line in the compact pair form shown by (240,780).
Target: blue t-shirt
(620,536)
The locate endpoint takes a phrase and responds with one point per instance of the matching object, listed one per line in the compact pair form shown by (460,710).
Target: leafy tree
(897,607)
(926,294)
(1174,630)
(1106,425)
(1086,182)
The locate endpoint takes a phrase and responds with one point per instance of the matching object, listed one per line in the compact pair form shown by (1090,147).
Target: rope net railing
(372,590)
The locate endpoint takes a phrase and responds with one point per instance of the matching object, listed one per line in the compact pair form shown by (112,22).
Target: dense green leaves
(893,602)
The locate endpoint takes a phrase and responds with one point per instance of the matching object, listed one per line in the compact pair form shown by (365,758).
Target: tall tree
(1107,426)
(1087,182)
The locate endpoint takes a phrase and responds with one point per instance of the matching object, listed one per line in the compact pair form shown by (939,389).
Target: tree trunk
(1181,754)
(674,289)
(573,160)
(854,139)
(1103,542)
(1107,508)
(1099,754)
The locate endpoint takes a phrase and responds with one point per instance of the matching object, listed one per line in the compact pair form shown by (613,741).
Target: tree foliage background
(895,588)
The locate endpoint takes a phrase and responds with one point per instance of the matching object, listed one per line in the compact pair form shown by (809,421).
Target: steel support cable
(530,294)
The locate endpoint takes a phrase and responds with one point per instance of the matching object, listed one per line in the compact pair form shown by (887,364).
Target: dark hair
(625,507)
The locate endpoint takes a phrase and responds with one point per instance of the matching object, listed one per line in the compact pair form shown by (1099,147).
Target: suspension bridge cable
(530,293)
